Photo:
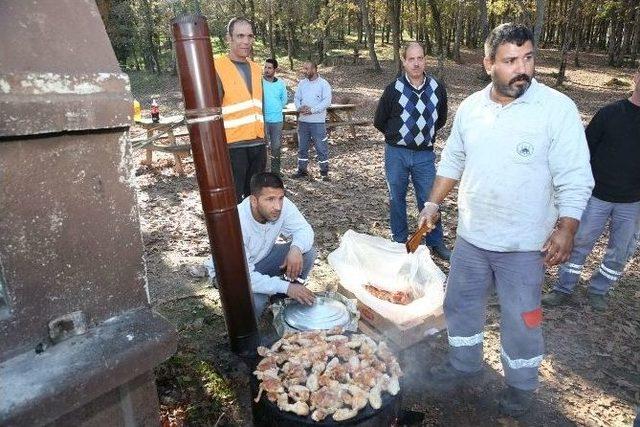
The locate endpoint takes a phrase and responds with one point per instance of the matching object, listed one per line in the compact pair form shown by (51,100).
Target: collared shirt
(520,166)
(424,80)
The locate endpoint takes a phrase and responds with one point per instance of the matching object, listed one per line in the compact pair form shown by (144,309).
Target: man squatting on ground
(240,91)
(265,215)
(613,136)
(518,150)
(411,110)
(312,98)
(275,99)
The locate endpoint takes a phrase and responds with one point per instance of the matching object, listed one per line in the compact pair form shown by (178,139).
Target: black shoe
(555,298)
(445,375)
(515,402)
(441,251)
(299,174)
(325,177)
(598,302)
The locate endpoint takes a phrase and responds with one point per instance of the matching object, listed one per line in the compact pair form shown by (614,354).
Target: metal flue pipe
(213,171)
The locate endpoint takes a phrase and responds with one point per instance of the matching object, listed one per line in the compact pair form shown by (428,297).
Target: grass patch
(192,390)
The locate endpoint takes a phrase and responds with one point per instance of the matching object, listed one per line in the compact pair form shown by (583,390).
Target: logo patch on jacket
(524,149)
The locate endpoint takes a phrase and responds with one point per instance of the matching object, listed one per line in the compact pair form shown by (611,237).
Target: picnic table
(334,117)
(161,136)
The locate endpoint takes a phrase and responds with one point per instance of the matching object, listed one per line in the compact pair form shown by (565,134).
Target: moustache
(521,77)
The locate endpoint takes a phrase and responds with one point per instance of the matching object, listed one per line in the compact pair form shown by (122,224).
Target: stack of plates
(325,313)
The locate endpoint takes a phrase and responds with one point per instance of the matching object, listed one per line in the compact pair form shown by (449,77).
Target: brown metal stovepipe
(213,171)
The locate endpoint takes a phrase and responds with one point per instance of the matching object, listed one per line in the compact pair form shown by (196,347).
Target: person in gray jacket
(519,204)
(312,98)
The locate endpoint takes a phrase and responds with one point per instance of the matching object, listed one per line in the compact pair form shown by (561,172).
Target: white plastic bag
(362,259)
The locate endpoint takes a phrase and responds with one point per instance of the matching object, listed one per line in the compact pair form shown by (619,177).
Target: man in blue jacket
(275,98)
(411,110)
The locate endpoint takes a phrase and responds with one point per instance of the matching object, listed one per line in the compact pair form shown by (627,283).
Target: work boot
(441,251)
(555,298)
(515,402)
(445,375)
(299,174)
(598,302)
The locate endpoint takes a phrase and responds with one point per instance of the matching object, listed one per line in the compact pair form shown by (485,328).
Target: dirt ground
(591,371)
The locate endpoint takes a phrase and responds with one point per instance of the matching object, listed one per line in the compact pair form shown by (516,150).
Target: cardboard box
(400,336)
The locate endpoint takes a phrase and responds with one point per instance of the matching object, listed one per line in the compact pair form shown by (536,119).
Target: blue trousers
(623,221)
(518,278)
(318,133)
(270,266)
(400,164)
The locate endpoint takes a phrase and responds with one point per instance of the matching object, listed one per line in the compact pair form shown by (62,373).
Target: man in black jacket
(614,144)
(411,110)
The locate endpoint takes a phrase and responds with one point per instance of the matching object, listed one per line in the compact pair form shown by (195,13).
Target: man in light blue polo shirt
(518,151)
(275,98)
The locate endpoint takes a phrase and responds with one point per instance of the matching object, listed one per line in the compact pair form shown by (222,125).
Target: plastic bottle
(155,112)
(137,111)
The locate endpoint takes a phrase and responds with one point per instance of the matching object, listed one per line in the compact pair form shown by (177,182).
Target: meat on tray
(327,373)
(397,297)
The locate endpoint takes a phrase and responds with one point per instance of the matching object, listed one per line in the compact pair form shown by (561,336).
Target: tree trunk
(252,12)
(565,42)
(614,41)
(364,9)
(537,29)
(289,35)
(484,21)
(359,26)
(458,34)
(636,37)
(578,39)
(373,22)
(272,48)
(151,50)
(625,48)
(437,22)
(394,20)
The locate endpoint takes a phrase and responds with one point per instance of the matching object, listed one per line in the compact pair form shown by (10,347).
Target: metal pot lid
(325,313)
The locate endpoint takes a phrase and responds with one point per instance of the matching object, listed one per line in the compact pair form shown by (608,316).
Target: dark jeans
(400,164)
(246,162)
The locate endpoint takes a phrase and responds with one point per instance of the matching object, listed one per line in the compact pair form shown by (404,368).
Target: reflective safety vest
(241,110)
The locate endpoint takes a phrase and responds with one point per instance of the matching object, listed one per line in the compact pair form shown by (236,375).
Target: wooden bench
(164,131)
(334,119)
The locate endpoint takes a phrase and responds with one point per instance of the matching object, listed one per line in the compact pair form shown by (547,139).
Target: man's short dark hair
(273,62)
(232,23)
(265,180)
(313,64)
(506,33)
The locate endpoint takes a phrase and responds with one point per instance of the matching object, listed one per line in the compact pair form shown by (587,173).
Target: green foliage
(141,35)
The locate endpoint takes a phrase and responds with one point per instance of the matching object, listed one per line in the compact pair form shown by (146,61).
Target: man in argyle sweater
(410,112)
